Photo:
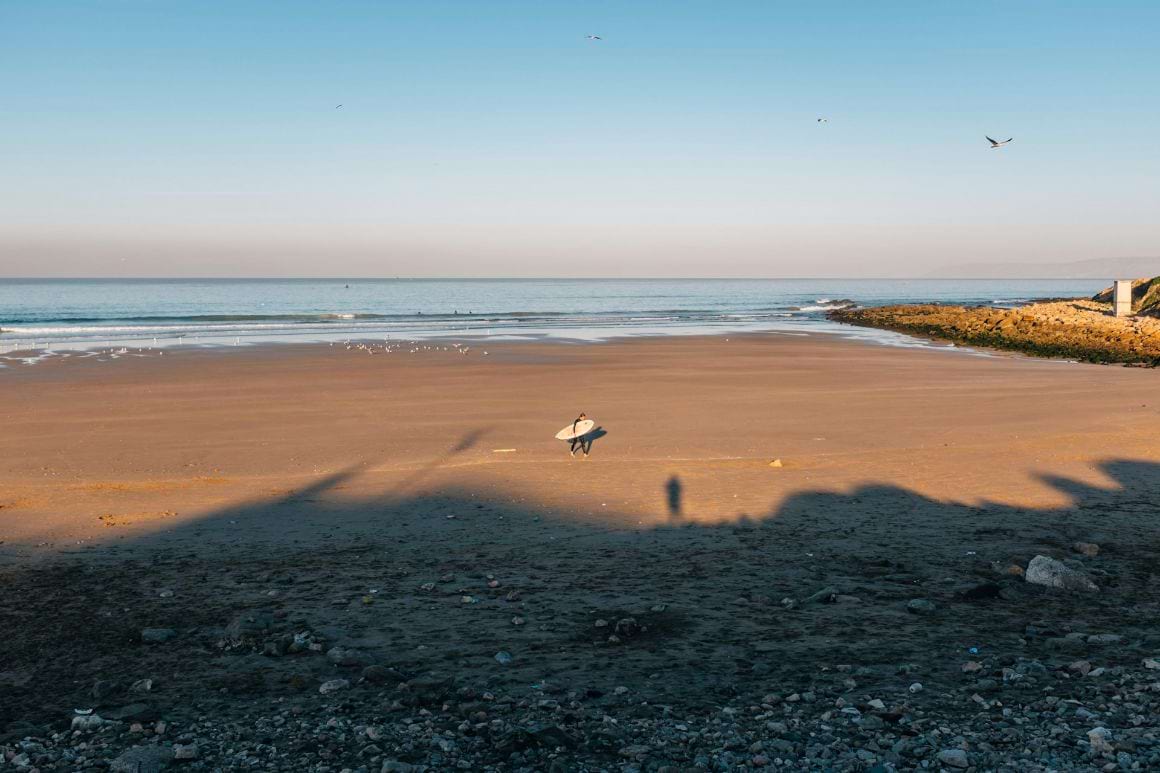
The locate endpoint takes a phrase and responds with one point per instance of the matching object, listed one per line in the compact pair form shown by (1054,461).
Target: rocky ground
(874,631)
(1074,329)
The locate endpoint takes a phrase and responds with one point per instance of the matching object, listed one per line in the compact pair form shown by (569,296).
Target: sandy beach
(413,512)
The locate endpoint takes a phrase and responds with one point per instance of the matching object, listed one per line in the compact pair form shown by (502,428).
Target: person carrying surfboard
(578,440)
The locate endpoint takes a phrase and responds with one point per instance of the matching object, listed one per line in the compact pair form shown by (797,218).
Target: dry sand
(364,497)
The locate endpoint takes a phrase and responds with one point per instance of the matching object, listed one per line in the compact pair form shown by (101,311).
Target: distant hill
(1099,268)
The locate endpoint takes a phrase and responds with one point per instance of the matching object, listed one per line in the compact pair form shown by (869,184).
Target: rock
(627,627)
(1089,549)
(915,688)
(394,766)
(954,758)
(347,658)
(1152,664)
(141,685)
(1100,740)
(249,626)
(824,596)
(157,635)
(775,463)
(135,711)
(380,674)
(1055,574)
(334,685)
(503,658)
(1102,639)
(142,759)
(517,620)
(87,722)
(920,607)
(187,751)
(971,666)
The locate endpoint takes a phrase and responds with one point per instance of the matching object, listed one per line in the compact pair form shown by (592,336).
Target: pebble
(334,685)
(920,607)
(157,635)
(955,758)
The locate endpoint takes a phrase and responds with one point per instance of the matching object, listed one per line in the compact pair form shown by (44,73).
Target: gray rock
(157,635)
(920,607)
(187,751)
(394,766)
(1089,549)
(1055,574)
(334,685)
(954,758)
(347,658)
(142,759)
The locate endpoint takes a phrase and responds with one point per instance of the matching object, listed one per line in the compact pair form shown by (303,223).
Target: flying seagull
(594,37)
(823,120)
(337,106)
(995,144)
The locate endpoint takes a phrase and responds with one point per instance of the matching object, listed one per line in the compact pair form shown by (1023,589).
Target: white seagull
(996,144)
(593,37)
(823,120)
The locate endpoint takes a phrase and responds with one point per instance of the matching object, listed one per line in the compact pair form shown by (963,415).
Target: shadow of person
(673,496)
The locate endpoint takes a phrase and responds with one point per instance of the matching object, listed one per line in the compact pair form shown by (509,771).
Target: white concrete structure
(1122,297)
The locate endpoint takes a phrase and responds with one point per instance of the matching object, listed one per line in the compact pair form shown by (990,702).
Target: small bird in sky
(997,144)
(594,37)
(337,106)
(823,120)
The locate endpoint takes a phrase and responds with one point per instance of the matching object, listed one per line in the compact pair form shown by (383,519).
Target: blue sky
(492,138)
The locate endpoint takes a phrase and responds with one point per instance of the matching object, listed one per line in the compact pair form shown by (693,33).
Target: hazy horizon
(497,141)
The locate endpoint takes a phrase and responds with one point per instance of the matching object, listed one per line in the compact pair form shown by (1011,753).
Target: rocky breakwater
(1073,329)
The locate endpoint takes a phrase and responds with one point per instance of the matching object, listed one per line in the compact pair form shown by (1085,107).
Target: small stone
(1101,639)
(427,587)
(920,607)
(157,635)
(1100,740)
(955,758)
(87,722)
(503,658)
(394,766)
(1152,663)
(1089,549)
(141,685)
(334,685)
(915,688)
(347,658)
(142,759)
(377,674)
(621,690)
(876,704)
(517,620)
(601,623)
(972,666)
(775,463)
(187,751)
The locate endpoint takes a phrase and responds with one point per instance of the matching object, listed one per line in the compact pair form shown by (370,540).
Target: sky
(491,138)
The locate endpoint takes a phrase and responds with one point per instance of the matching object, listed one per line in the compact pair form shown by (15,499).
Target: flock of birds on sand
(994,143)
(410,347)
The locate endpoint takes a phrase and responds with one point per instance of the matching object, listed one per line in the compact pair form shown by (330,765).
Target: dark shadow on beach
(428,586)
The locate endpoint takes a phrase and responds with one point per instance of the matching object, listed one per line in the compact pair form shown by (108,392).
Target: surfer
(580,442)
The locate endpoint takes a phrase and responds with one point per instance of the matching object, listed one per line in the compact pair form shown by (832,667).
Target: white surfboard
(581,428)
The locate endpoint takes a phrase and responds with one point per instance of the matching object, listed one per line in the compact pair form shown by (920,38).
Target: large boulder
(1056,574)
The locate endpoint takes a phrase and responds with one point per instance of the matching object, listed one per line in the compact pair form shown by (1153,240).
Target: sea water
(80,314)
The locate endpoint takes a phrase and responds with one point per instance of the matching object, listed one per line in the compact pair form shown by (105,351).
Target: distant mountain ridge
(1098,268)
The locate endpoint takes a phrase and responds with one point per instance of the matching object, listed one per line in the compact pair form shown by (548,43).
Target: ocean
(86,314)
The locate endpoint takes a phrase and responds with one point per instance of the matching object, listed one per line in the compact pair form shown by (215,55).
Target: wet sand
(409,507)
